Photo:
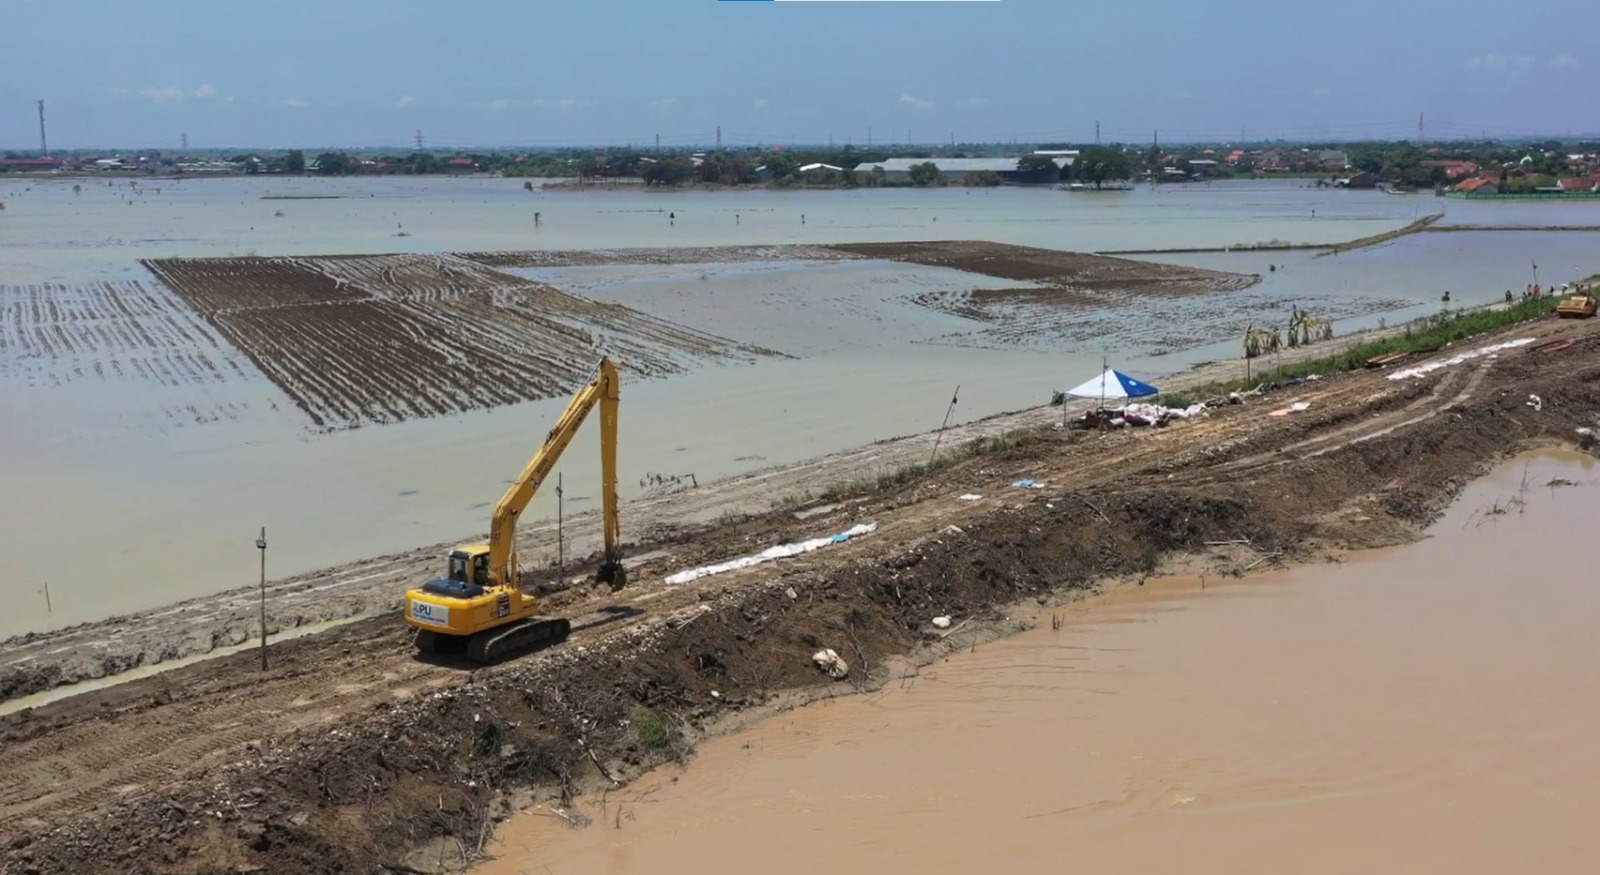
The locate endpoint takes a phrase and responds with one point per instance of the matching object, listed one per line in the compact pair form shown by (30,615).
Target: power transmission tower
(1419,129)
(44,147)
(419,139)
(1097,132)
(183,139)
(719,136)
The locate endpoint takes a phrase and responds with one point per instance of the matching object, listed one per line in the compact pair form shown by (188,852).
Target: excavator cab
(470,565)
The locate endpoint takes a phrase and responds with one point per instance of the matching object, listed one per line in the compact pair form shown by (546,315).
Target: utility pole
(1097,132)
(44,148)
(561,544)
(261,544)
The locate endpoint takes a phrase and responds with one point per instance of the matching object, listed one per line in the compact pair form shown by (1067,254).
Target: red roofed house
(460,165)
(1479,185)
(30,164)
(1574,184)
(1453,169)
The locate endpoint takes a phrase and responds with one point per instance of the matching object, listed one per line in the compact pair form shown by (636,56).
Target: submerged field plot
(125,339)
(1078,299)
(384,338)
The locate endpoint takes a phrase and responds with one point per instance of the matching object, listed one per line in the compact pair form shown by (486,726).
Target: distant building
(1453,169)
(460,165)
(1479,185)
(1333,159)
(31,165)
(1361,179)
(1577,184)
(956,169)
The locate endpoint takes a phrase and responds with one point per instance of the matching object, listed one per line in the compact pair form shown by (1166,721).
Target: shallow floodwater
(1424,709)
(124,493)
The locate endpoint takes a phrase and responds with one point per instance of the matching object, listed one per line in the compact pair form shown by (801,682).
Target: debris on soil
(781,551)
(831,664)
(942,622)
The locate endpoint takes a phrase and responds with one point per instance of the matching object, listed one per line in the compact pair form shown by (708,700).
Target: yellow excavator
(478,607)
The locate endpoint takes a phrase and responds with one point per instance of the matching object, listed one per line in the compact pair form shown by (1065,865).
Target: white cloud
(565,104)
(295,103)
(206,91)
(404,101)
(162,95)
(1564,61)
(974,102)
(916,102)
(498,105)
(664,103)
(1497,61)
(761,103)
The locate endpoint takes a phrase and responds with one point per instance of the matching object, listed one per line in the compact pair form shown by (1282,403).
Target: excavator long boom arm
(603,390)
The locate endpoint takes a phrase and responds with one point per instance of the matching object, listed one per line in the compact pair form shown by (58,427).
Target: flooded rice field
(1422,709)
(199,358)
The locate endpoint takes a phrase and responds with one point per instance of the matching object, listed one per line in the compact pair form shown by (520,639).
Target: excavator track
(493,645)
(440,644)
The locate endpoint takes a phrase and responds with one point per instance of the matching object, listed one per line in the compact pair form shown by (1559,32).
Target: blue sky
(564,72)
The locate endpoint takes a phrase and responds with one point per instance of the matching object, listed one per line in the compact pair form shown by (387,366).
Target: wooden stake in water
(940,436)
(48,610)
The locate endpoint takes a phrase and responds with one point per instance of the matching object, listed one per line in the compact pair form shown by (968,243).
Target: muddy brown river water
(1431,708)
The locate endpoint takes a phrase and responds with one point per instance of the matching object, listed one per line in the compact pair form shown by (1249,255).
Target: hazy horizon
(568,73)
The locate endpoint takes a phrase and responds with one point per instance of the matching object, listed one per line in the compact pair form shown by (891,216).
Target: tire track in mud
(124,752)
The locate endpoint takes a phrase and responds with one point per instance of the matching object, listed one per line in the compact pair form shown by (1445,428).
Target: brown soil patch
(350,751)
(684,255)
(379,339)
(1071,271)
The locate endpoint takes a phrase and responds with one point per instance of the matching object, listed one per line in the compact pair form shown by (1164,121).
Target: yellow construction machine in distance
(478,607)
(1577,306)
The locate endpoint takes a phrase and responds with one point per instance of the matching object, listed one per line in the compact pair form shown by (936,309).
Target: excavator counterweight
(478,609)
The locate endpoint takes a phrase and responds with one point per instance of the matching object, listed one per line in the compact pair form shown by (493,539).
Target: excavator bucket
(612,574)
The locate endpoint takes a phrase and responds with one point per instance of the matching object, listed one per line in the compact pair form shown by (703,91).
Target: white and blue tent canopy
(1113,385)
